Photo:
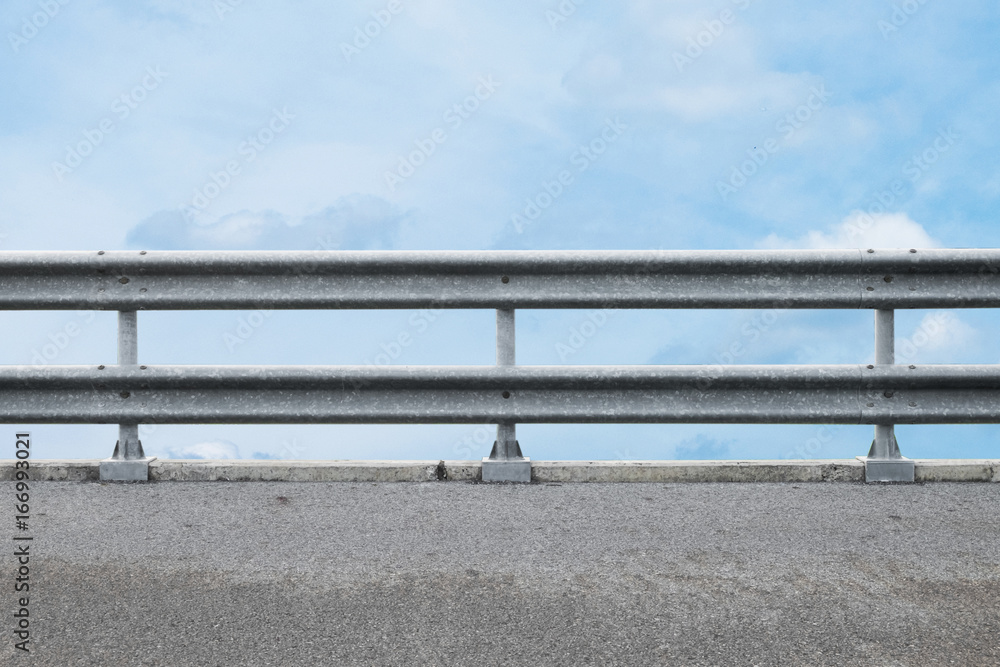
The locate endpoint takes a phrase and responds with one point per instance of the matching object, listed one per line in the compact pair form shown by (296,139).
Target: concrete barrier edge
(822,470)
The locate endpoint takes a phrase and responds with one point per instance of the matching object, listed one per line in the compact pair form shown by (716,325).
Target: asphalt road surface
(451,573)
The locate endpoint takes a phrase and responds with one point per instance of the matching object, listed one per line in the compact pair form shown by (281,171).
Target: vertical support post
(505,463)
(505,447)
(884,463)
(128,463)
(884,446)
(128,446)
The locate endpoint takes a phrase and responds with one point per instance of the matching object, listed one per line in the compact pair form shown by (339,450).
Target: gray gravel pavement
(457,573)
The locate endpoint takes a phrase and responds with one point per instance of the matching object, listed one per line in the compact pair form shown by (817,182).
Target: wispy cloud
(211,449)
(861,230)
(702,447)
(940,337)
(358,222)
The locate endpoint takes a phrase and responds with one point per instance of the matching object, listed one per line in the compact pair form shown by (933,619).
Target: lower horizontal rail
(832,394)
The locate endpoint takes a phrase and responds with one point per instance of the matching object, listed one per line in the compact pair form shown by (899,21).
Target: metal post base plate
(517,470)
(887,470)
(126,470)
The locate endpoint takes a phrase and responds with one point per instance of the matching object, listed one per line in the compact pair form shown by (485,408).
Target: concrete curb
(294,471)
(55,470)
(957,470)
(843,470)
(827,470)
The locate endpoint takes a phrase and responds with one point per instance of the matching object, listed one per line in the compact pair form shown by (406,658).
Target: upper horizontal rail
(354,378)
(133,280)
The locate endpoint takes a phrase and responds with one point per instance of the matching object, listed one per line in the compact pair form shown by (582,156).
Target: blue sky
(429,124)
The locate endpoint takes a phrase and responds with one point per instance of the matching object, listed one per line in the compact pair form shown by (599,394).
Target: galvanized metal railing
(129,394)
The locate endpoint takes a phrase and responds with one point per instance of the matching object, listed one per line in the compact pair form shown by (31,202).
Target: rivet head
(912,366)
(887,394)
(101,367)
(142,290)
(142,252)
(506,394)
(913,249)
(505,280)
(100,252)
(870,289)
(888,279)
(100,289)
(871,366)
(871,250)
(124,394)
(123,280)
(142,367)
(913,404)
(871,405)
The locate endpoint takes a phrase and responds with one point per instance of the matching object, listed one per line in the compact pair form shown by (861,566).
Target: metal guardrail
(881,394)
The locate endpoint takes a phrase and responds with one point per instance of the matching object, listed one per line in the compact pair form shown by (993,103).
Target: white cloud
(212,449)
(358,222)
(862,230)
(941,337)
(991,188)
